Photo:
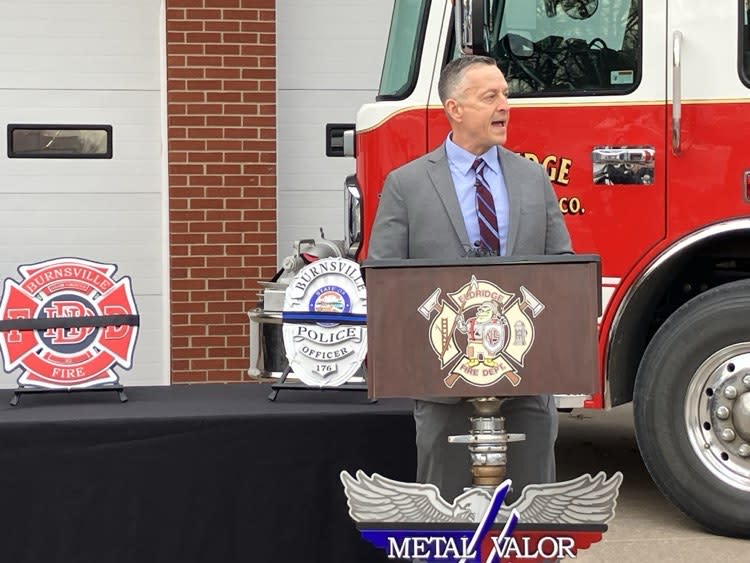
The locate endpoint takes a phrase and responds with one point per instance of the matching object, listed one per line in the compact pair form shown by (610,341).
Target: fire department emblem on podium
(61,344)
(481,333)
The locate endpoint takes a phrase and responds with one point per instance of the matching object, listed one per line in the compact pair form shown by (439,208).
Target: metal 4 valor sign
(548,522)
(325,309)
(60,324)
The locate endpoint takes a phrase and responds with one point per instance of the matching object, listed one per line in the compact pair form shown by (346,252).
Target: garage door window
(60,141)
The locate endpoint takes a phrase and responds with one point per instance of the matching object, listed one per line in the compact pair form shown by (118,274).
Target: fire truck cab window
(403,49)
(745,41)
(568,47)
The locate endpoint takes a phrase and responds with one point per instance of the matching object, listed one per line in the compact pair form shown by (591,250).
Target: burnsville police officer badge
(497,325)
(325,308)
(68,323)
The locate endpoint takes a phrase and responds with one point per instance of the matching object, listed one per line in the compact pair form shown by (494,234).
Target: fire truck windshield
(404,49)
(569,46)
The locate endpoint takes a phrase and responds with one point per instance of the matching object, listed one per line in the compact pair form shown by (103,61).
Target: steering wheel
(597,41)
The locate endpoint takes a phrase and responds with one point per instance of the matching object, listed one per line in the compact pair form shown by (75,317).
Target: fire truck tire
(691,409)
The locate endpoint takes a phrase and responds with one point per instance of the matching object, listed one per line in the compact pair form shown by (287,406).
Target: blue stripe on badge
(314,317)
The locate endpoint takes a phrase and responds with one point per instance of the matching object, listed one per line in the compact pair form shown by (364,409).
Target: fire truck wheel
(692,409)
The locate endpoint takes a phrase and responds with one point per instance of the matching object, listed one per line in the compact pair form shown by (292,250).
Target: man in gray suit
(471,193)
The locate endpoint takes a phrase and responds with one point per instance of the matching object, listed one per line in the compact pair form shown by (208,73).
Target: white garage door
(329,58)
(83,63)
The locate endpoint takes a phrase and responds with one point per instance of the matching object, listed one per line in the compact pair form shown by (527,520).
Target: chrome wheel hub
(717,414)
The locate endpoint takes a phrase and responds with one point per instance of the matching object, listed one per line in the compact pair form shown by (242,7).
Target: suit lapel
(440,175)
(512,176)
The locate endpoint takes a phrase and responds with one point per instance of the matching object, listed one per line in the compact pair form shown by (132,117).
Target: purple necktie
(486,214)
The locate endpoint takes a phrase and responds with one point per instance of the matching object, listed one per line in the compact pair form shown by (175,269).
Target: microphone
(477,250)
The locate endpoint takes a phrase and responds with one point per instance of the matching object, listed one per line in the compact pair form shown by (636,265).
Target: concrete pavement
(646,526)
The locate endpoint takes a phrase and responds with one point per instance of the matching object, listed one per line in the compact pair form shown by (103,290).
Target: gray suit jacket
(419,215)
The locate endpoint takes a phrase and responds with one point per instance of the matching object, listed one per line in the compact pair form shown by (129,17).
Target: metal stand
(488,443)
(302,387)
(119,389)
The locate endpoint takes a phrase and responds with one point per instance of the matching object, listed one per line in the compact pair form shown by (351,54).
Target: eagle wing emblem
(584,500)
(379,499)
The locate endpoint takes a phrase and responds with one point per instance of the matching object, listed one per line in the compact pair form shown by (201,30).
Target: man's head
(475,98)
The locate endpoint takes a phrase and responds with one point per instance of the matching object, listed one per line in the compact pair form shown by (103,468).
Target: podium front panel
(482,327)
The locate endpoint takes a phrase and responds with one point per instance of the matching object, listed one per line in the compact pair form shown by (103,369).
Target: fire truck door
(588,104)
(708,79)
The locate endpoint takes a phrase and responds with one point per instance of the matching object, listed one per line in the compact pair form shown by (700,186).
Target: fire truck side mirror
(340,139)
(469,17)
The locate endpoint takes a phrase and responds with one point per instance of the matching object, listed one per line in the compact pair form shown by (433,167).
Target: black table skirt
(189,473)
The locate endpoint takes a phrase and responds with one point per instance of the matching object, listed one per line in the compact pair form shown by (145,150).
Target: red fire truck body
(639,111)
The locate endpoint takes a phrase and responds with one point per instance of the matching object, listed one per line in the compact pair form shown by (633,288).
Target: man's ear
(453,109)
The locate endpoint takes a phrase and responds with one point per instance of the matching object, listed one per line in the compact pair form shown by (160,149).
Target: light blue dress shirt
(460,162)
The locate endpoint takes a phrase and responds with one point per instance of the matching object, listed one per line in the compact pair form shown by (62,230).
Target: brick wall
(221,95)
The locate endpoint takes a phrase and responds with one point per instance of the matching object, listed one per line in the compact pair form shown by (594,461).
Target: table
(193,473)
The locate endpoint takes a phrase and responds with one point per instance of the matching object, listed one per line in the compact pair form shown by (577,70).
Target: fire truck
(639,111)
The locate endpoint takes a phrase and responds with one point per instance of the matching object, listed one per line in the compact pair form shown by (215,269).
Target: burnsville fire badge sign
(67,323)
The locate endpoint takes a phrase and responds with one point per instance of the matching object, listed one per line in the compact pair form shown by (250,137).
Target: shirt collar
(463,159)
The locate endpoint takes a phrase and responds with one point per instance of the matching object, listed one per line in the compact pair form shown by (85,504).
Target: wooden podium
(483,327)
